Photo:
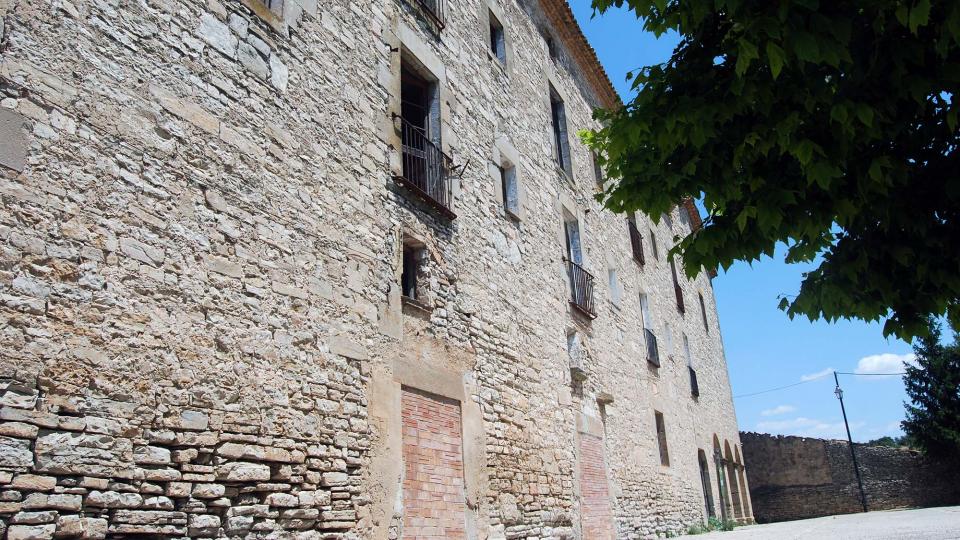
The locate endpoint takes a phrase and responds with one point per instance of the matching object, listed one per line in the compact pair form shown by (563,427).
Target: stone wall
(200,242)
(797,478)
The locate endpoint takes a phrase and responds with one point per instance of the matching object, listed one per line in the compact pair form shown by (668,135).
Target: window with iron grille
(662,439)
(426,168)
(510,191)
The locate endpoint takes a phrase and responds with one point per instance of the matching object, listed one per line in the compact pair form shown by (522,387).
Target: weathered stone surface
(113,499)
(201,253)
(34,518)
(31,532)
(243,472)
(83,454)
(33,482)
(15,453)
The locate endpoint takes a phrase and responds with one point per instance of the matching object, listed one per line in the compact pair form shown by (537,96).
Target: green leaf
(775,57)
(865,114)
(806,48)
(919,15)
(747,53)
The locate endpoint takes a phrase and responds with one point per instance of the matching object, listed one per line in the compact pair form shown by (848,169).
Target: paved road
(922,524)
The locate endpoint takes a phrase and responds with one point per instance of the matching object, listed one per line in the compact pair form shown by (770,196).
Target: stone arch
(731,468)
(721,479)
(742,478)
(705,483)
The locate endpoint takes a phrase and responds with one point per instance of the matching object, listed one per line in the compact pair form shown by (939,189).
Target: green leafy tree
(933,386)
(827,126)
(892,442)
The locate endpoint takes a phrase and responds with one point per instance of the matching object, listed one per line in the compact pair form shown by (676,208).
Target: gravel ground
(920,524)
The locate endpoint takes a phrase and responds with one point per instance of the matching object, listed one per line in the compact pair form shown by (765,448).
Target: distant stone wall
(797,478)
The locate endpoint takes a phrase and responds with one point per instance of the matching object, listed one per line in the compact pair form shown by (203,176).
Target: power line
(817,378)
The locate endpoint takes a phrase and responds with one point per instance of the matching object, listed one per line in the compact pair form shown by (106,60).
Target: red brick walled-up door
(596,513)
(433,492)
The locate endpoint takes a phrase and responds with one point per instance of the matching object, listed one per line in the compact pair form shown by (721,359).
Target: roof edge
(562,19)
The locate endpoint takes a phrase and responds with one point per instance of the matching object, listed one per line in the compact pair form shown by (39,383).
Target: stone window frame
(505,159)
(614,286)
(408,48)
(278,17)
(491,15)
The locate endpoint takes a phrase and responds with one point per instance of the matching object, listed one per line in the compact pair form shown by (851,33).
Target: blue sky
(764,348)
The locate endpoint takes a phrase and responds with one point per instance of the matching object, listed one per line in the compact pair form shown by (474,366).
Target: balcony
(694,385)
(435,10)
(426,169)
(653,352)
(636,240)
(581,289)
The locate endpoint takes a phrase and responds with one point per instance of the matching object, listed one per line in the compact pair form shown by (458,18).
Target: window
(498,45)
(668,220)
(653,243)
(694,385)
(434,11)
(412,269)
(551,47)
(653,351)
(561,144)
(425,166)
(686,350)
(636,239)
(581,281)
(662,439)
(276,6)
(615,292)
(645,314)
(676,287)
(703,312)
(510,191)
(597,169)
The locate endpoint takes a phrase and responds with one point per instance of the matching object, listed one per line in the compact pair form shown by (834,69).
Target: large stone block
(59,452)
(15,453)
(243,472)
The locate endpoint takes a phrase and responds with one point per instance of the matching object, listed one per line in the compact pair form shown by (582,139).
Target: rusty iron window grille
(636,240)
(694,385)
(426,169)
(653,351)
(435,11)
(581,289)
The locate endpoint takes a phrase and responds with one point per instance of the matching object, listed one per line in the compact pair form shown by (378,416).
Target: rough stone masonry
(229,309)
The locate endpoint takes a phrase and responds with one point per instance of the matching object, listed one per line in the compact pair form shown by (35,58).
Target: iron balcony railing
(636,240)
(581,289)
(679,293)
(435,10)
(426,169)
(653,352)
(694,385)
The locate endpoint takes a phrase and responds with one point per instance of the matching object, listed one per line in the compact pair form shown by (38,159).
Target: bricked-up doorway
(596,514)
(433,490)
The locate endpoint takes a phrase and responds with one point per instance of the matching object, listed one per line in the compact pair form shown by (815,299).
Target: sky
(764,348)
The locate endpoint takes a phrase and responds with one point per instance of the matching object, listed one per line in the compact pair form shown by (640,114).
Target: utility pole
(856,467)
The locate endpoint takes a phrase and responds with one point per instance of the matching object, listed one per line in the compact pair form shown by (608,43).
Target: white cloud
(807,427)
(817,375)
(884,363)
(779,409)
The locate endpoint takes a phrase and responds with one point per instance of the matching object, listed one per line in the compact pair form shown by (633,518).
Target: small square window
(412,269)
(498,44)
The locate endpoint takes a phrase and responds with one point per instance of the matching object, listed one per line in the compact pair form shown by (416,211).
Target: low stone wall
(798,478)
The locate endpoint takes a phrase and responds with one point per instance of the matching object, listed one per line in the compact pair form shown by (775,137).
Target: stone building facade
(801,477)
(294,269)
